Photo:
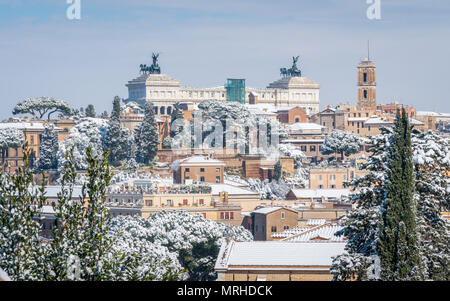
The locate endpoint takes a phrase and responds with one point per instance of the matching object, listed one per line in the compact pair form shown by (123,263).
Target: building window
(156,110)
(320,177)
(201,201)
(282,215)
(162,110)
(312,148)
(286,228)
(231,215)
(365,77)
(218,179)
(303,148)
(320,186)
(221,215)
(202,169)
(333,186)
(227,215)
(186,169)
(274,229)
(169,203)
(297,119)
(332,177)
(365,94)
(185,202)
(169,110)
(217,169)
(148,203)
(202,179)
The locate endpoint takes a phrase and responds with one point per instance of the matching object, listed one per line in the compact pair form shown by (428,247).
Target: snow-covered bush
(275,190)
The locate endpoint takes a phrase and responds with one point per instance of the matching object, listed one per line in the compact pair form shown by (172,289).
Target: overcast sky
(202,43)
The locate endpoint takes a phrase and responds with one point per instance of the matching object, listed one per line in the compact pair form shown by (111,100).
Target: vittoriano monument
(293,71)
(154,68)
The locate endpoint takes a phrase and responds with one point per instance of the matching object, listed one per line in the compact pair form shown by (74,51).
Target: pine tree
(90,111)
(147,138)
(341,142)
(49,148)
(116,139)
(398,240)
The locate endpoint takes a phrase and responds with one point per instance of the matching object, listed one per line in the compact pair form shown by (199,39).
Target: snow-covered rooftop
(276,253)
(22,125)
(319,193)
(305,126)
(217,188)
(323,232)
(200,160)
(267,210)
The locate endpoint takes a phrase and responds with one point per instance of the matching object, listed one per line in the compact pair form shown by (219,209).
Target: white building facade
(164,91)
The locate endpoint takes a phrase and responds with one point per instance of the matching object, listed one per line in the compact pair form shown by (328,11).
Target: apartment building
(198,169)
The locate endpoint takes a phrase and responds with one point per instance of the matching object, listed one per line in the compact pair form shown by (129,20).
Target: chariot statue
(294,71)
(154,68)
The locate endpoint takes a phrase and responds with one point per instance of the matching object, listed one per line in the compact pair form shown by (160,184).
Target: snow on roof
(22,125)
(305,126)
(436,114)
(276,253)
(200,160)
(216,188)
(267,210)
(303,141)
(319,193)
(357,119)
(323,232)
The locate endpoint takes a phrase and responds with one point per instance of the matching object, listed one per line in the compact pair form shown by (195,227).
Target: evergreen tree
(20,207)
(104,115)
(116,139)
(147,138)
(49,148)
(398,240)
(81,242)
(277,171)
(90,111)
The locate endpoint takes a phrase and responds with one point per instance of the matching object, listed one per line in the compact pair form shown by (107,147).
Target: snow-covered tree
(117,139)
(341,142)
(11,137)
(431,155)
(177,114)
(42,105)
(88,132)
(275,190)
(49,148)
(193,241)
(146,137)
(277,171)
(80,245)
(20,206)
(431,160)
(398,241)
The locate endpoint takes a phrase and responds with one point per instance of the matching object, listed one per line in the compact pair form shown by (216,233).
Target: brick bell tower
(367,85)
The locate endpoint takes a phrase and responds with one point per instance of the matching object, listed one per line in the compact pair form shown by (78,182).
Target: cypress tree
(147,136)
(398,240)
(115,140)
(277,170)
